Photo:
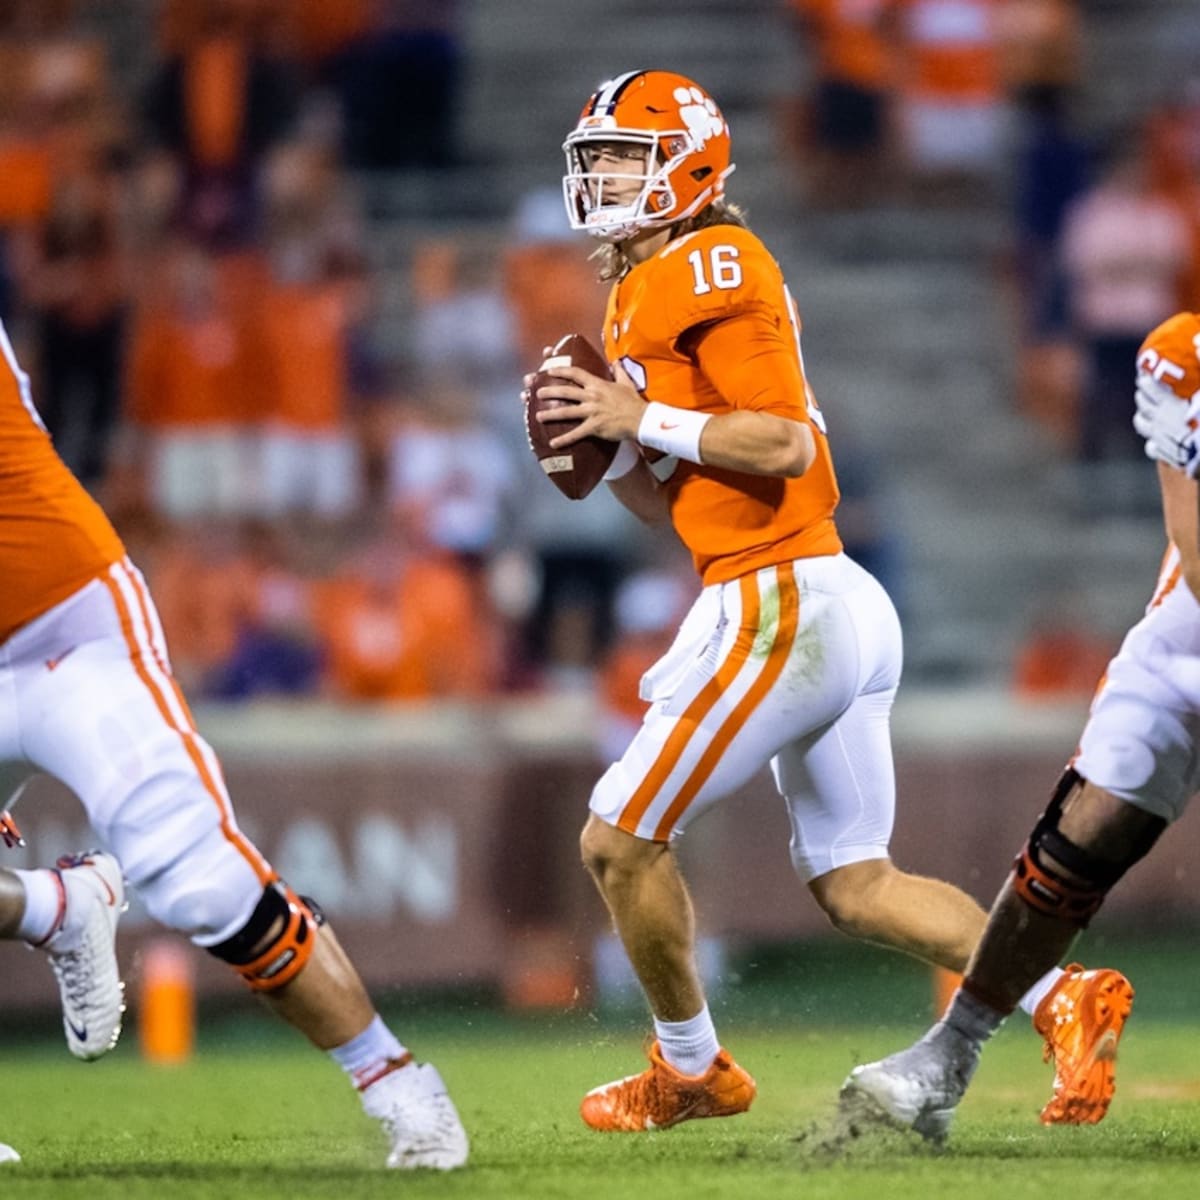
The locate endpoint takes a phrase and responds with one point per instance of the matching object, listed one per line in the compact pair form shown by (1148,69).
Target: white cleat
(419,1118)
(918,1088)
(8,1154)
(82,952)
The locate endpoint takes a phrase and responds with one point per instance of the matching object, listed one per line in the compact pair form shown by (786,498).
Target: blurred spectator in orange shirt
(215,106)
(74,278)
(309,455)
(190,391)
(58,119)
(239,609)
(842,133)
(1062,656)
(952,106)
(315,300)
(276,652)
(204,593)
(400,627)
(549,280)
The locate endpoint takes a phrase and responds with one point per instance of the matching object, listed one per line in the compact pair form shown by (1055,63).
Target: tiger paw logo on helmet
(660,122)
(700,114)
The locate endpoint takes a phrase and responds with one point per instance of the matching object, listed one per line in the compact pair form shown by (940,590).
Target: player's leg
(702,737)
(652,911)
(1079,849)
(838,782)
(1071,861)
(287,953)
(69,911)
(114,727)
(1137,768)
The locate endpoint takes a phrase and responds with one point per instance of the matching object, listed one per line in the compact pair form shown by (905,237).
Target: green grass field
(256,1115)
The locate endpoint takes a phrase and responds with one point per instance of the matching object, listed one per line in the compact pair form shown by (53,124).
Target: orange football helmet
(687,154)
(1171,354)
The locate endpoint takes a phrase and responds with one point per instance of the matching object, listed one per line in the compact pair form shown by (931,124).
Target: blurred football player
(791,655)
(1137,765)
(87,695)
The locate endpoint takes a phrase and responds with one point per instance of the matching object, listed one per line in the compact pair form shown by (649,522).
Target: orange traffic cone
(167,1005)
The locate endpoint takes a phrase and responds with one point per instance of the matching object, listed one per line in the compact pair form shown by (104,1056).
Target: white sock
(370,1055)
(45,903)
(689,1046)
(1040,990)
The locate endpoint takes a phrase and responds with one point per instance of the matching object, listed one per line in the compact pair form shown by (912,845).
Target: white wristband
(626,458)
(672,430)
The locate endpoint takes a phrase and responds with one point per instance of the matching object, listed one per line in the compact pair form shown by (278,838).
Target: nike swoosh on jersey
(52,663)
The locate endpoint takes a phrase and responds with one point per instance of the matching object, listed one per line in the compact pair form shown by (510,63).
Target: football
(575,470)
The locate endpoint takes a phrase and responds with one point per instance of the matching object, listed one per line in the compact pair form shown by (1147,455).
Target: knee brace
(273,946)
(1056,877)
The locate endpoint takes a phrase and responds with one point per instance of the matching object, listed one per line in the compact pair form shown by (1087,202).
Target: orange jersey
(303,330)
(53,536)
(850,39)
(953,49)
(733,523)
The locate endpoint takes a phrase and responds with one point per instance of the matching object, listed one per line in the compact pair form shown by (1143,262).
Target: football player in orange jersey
(1137,765)
(791,655)
(87,695)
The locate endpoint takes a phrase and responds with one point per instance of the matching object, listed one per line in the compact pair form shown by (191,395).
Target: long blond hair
(614,262)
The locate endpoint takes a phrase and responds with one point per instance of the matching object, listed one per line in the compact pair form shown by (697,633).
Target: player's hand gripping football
(604,409)
(1169,424)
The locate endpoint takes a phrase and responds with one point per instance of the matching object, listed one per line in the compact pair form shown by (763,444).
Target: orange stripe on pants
(232,834)
(781,648)
(672,751)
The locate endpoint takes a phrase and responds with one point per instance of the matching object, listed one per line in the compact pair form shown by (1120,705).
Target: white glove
(1169,424)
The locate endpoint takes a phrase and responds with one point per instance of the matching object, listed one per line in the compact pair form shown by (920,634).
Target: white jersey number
(722,270)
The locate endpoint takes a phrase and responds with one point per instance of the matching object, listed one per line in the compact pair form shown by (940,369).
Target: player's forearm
(1182,521)
(758,444)
(642,494)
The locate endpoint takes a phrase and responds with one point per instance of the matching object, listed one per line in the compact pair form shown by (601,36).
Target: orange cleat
(1081,1020)
(661,1097)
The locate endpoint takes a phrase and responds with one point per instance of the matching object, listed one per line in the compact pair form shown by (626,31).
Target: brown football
(575,470)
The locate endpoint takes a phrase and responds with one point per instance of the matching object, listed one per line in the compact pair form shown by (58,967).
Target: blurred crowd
(983,101)
(184,271)
(326,506)
(991,105)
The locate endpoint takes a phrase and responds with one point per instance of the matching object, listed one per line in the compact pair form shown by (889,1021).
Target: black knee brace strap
(275,943)
(1038,872)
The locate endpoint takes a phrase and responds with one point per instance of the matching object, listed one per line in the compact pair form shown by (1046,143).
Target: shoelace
(73,971)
